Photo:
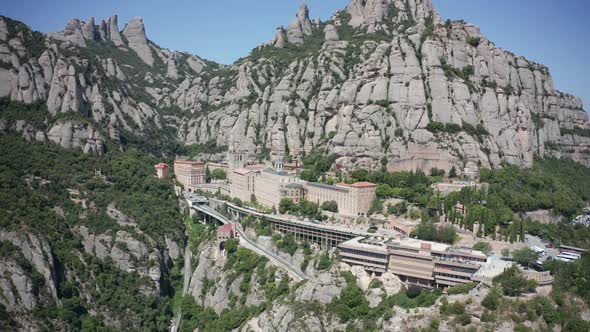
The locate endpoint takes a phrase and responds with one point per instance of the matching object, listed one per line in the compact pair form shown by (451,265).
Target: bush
(514,283)
(492,300)
(428,231)
(437,172)
(413,291)
(525,256)
(331,206)
(473,41)
(461,289)
(482,246)
(463,319)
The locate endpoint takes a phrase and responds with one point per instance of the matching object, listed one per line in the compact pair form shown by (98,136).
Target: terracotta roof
(162,165)
(256,166)
(227,228)
(363,184)
(242,171)
(189,162)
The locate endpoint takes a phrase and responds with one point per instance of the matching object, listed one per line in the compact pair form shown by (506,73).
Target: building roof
(572,248)
(294,186)
(328,186)
(256,166)
(227,228)
(363,184)
(273,171)
(242,171)
(162,165)
(189,162)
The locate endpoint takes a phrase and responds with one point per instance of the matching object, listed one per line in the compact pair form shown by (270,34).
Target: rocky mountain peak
(300,27)
(89,29)
(114,34)
(134,31)
(377,15)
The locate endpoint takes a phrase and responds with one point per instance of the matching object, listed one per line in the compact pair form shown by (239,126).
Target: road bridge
(325,235)
(292,270)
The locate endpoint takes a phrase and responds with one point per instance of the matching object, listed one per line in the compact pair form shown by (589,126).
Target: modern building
(424,263)
(162,171)
(189,173)
(369,252)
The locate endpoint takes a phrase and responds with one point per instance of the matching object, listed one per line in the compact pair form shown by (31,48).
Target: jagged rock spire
(114,34)
(279,39)
(89,29)
(300,27)
(134,31)
(373,13)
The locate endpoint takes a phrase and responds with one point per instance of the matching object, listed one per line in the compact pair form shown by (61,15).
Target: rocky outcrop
(134,31)
(20,291)
(89,29)
(300,27)
(71,134)
(72,33)
(113,31)
(280,37)
(128,253)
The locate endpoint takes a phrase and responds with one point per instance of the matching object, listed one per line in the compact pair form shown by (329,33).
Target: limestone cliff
(380,82)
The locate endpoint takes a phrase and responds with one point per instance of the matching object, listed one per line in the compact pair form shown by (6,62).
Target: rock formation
(390,83)
(300,27)
(113,30)
(89,29)
(134,31)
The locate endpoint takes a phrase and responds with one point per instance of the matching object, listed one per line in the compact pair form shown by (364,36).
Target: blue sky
(552,32)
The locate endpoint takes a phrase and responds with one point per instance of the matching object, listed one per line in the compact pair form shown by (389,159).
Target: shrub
(473,41)
(482,246)
(437,172)
(413,291)
(514,283)
(331,206)
(461,289)
(525,256)
(492,300)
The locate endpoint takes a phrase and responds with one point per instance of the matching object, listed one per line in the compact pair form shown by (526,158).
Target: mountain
(381,82)
(90,240)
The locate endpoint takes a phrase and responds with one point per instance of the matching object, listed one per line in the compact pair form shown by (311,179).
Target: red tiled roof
(363,184)
(189,162)
(227,228)
(242,171)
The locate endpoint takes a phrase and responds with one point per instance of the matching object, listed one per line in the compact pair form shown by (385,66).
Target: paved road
(274,258)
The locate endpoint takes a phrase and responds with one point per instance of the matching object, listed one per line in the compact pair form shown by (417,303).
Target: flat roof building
(428,264)
(352,199)
(189,173)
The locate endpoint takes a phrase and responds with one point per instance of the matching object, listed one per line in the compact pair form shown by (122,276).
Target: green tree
(514,283)
(286,205)
(453,172)
(525,256)
(331,206)
(483,247)
(218,174)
